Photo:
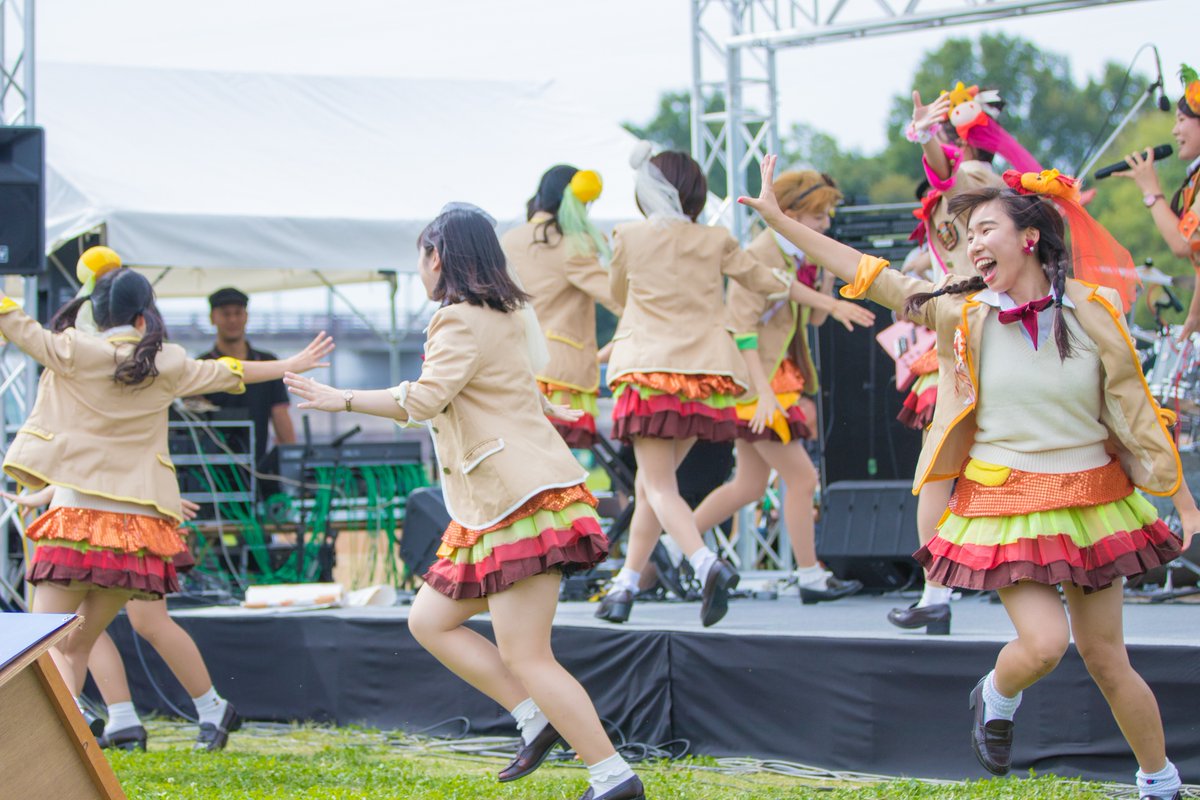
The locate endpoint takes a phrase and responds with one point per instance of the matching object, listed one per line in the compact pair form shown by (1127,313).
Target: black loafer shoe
(991,741)
(531,755)
(935,619)
(722,579)
(131,738)
(835,589)
(615,607)
(215,737)
(95,724)
(631,789)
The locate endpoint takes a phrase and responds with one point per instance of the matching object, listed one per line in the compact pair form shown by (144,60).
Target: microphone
(1160,152)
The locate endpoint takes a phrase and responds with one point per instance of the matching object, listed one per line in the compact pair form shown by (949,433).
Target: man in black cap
(262,401)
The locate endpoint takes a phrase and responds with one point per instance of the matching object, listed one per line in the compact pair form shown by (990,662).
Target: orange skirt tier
(668,405)
(130,552)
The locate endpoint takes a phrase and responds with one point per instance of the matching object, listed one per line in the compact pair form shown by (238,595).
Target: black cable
(1108,120)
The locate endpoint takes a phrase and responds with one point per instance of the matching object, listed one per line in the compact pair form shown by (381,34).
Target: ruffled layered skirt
(555,530)
(107,550)
(670,405)
(788,385)
(1089,528)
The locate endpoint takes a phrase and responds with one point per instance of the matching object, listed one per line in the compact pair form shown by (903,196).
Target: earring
(1030,246)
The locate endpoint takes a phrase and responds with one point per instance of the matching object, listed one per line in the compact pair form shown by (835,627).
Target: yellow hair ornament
(586,185)
(94,262)
(1051,183)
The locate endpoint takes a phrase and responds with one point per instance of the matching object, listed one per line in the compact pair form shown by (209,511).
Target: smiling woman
(1041,445)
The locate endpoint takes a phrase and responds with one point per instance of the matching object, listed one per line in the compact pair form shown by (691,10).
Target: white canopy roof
(269,179)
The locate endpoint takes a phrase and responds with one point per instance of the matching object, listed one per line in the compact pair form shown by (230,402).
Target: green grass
(349,764)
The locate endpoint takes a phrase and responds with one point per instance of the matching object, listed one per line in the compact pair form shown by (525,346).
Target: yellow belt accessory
(986,474)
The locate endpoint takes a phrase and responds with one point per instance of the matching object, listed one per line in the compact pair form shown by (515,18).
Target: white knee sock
(934,596)
(606,775)
(627,580)
(702,561)
(996,705)
(1164,783)
(121,716)
(210,706)
(529,718)
(812,577)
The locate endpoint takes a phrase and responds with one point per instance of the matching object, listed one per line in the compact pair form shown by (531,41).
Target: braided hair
(1025,211)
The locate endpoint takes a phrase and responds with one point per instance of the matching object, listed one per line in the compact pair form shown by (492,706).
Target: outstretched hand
(316,395)
(851,314)
(314,355)
(766,203)
(924,116)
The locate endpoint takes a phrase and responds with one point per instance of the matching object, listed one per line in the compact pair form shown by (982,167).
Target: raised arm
(54,351)
(924,119)
(311,357)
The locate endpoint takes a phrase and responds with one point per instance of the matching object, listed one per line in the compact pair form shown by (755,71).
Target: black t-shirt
(258,399)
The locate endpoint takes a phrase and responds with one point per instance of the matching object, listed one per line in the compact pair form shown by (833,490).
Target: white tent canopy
(271,181)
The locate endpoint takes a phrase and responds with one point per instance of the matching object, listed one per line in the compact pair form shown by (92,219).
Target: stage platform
(832,685)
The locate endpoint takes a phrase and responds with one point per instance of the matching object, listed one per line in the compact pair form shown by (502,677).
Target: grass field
(348,764)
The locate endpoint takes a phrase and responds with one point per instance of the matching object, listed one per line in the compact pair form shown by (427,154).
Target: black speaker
(22,201)
(425,520)
(868,531)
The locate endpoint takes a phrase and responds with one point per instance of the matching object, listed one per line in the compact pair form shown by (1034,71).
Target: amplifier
(868,531)
(291,456)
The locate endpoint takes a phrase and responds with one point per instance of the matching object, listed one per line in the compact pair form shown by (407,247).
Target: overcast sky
(617,55)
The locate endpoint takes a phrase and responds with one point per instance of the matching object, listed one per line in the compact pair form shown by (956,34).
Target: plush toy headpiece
(1096,257)
(973,112)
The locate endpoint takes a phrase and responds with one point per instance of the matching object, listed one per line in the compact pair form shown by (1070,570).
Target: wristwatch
(1150,199)
(348,395)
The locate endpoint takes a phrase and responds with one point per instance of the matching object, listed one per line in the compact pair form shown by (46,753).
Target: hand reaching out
(312,356)
(924,117)
(766,204)
(563,413)
(851,314)
(317,396)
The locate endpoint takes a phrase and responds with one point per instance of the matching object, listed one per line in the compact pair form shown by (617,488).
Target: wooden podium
(46,749)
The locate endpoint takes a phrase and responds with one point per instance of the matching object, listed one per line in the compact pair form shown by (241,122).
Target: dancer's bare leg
(152,622)
(98,607)
(522,616)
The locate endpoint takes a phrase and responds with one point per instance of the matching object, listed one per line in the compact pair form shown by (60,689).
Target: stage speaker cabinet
(425,519)
(868,532)
(22,201)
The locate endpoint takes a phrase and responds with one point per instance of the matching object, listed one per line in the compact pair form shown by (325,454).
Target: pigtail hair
(141,365)
(914,302)
(1058,284)
(65,317)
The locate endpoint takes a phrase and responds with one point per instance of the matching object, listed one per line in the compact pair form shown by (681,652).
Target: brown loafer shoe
(991,741)
(935,619)
(531,755)
(615,607)
(631,789)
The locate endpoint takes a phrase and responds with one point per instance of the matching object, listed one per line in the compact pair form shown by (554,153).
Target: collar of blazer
(122,334)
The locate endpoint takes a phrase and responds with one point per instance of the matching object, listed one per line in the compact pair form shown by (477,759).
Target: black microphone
(1163,103)
(1160,152)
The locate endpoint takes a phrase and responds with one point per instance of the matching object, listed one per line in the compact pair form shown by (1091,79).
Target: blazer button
(435,430)
(445,470)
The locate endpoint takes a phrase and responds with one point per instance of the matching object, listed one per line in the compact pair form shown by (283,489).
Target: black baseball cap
(228,297)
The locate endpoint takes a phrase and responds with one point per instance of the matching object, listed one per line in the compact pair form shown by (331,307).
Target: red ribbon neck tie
(1027,315)
(806,273)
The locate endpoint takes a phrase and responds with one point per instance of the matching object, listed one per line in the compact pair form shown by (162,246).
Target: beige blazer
(947,235)
(784,332)
(670,279)
(92,434)
(495,447)
(1138,428)
(565,289)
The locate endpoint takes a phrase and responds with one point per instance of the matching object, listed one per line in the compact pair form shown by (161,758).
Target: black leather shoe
(215,737)
(722,579)
(991,741)
(531,755)
(631,789)
(935,619)
(131,738)
(615,607)
(835,589)
(95,724)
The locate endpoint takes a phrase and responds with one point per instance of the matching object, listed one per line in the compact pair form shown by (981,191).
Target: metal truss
(734,86)
(16,62)
(735,110)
